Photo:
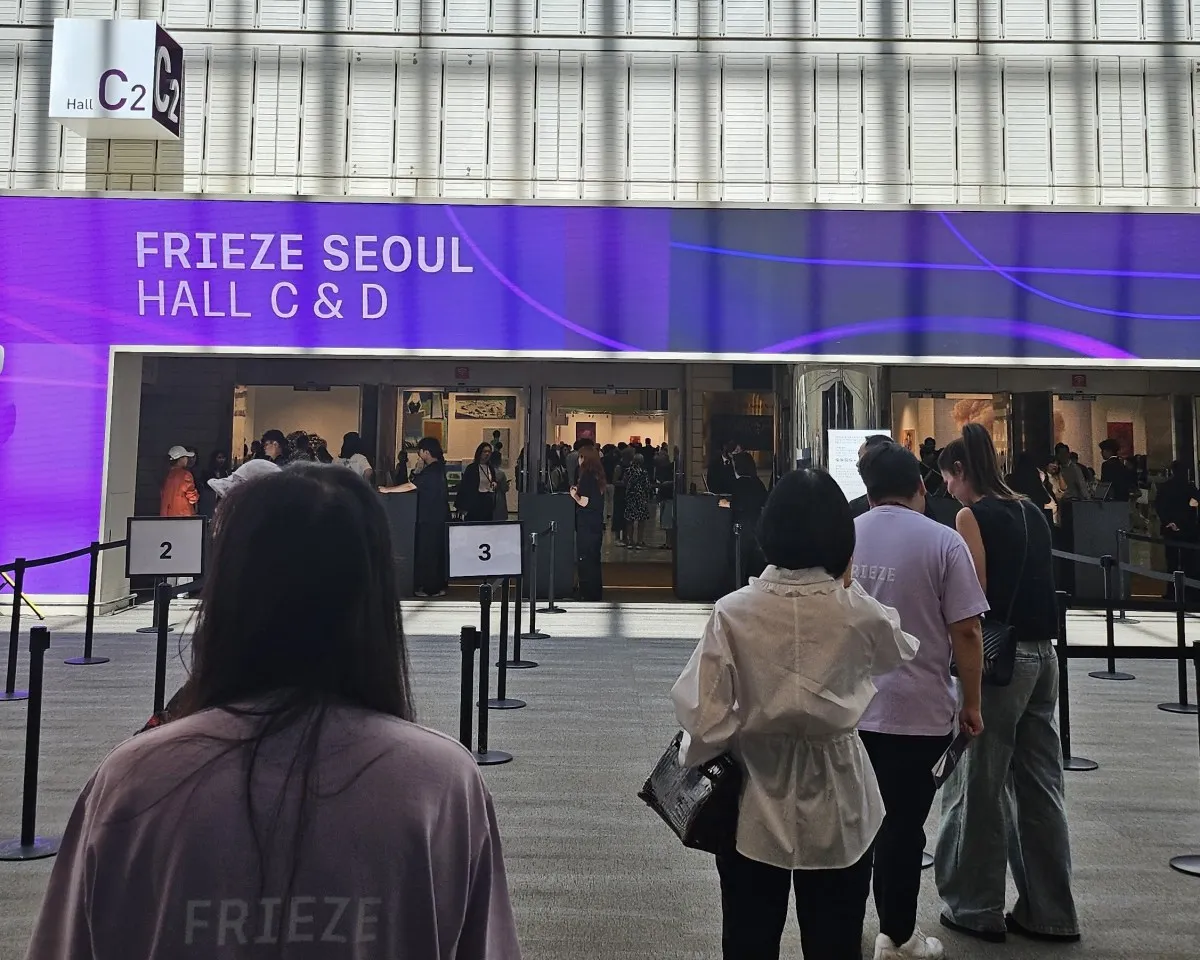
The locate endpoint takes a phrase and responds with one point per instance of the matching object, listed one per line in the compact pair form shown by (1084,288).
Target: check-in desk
(703,571)
(401,510)
(1089,527)
(535,511)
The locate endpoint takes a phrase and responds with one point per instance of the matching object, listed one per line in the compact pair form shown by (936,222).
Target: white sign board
(485,549)
(116,79)
(165,547)
(843,458)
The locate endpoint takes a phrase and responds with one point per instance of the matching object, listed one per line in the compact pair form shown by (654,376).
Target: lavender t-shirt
(924,570)
(399,855)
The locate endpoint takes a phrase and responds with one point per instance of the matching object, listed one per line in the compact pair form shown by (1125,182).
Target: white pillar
(120,466)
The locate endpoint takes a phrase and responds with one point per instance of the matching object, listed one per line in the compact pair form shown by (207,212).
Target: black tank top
(1035,612)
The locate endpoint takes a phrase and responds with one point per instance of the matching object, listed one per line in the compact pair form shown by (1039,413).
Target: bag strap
(1024,556)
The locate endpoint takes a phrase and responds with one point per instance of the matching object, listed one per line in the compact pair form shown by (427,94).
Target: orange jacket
(179,494)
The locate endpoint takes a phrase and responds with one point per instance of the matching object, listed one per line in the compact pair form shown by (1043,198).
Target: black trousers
(429,558)
(830,905)
(903,766)
(589,539)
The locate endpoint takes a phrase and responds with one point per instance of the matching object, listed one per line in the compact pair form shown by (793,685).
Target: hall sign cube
(116,79)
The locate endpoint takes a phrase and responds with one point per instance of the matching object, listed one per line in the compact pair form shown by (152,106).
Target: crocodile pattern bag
(699,804)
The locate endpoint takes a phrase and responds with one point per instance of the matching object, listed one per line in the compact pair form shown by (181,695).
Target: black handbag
(699,804)
(999,638)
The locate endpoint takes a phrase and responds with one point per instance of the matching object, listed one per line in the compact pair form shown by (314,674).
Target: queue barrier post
(89,629)
(1181,705)
(1123,561)
(162,606)
(14,635)
(502,701)
(1189,863)
(29,846)
(1112,673)
(534,633)
(737,556)
(468,641)
(516,663)
(483,756)
(551,606)
(1069,760)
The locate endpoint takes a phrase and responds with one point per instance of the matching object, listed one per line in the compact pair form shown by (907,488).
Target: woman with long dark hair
(984,826)
(588,495)
(475,499)
(254,818)
(430,571)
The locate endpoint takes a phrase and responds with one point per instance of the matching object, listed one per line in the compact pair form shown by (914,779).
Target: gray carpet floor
(593,873)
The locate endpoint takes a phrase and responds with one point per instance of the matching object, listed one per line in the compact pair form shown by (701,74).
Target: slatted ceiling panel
(744,143)
(745,18)
(931,95)
(418,115)
(9,53)
(791,19)
(185,13)
(651,136)
(605,125)
(374,14)
(570,117)
(980,130)
(976,21)
(1025,19)
(605,17)
(839,18)
(699,18)
(514,16)
(195,93)
(697,127)
(885,130)
(408,15)
(560,16)
(74,159)
(431,15)
(1027,130)
(886,18)
(839,129)
(1073,111)
(510,125)
(323,119)
(272,14)
(37,145)
(140,9)
(1171,159)
(467,16)
(132,157)
(9,12)
(324,14)
(928,18)
(42,11)
(372,114)
(653,17)
(464,120)
(791,129)
(1120,19)
(1072,20)
(1165,20)
(227,124)
(1122,133)
(104,9)
(264,151)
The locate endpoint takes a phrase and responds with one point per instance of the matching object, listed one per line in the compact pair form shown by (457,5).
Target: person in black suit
(1114,471)
(859,505)
(749,495)
(1175,503)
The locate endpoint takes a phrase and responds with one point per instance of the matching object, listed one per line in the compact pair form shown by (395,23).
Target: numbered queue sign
(481,550)
(165,547)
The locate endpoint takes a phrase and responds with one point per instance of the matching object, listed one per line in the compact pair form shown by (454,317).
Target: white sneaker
(918,947)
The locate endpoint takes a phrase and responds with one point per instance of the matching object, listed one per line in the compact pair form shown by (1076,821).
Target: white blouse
(780,678)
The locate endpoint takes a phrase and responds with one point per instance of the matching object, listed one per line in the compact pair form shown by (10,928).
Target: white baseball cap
(178,453)
(250,470)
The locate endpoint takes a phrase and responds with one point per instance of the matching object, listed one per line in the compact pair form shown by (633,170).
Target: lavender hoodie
(400,856)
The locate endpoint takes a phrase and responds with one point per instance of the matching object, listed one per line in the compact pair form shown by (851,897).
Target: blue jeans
(1005,800)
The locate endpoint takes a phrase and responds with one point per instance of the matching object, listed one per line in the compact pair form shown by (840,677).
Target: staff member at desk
(433,513)
(1114,471)
(1175,503)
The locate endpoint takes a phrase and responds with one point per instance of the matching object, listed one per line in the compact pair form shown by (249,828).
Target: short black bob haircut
(889,471)
(806,524)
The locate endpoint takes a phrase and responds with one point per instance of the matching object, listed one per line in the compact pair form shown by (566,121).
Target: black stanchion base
(535,635)
(552,610)
(85,661)
(492,758)
(1189,864)
(15,695)
(40,849)
(1113,675)
(1189,708)
(1128,620)
(1080,764)
(508,703)
(520,664)
(173,628)
(926,861)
